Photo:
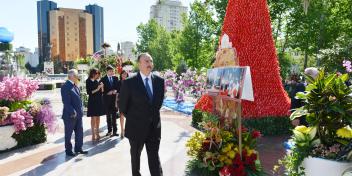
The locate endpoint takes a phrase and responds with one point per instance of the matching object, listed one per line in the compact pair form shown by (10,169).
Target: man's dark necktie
(149,91)
(110,80)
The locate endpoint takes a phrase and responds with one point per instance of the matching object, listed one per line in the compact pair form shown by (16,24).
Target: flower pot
(318,167)
(6,139)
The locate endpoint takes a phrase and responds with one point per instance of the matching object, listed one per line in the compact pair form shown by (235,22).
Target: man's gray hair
(143,55)
(71,73)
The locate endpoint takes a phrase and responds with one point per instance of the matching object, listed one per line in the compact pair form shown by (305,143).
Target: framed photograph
(226,81)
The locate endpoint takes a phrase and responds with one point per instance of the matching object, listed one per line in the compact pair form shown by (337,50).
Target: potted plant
(324,146)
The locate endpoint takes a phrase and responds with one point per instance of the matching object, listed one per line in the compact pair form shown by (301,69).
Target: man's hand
(111,92)
(74,115)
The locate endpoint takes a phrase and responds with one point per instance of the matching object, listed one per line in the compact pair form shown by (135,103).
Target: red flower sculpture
(247,23)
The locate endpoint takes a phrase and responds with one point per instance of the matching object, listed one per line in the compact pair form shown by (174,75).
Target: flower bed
(191,83)
(23,122)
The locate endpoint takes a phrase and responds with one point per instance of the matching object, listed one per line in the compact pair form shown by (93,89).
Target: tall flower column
(247,23)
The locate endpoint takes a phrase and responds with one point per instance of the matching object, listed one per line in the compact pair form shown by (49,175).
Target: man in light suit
(72,113)
(140,99)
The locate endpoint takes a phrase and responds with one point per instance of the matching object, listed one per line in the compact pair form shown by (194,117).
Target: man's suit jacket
(71,99)
(141,115)
(109,100)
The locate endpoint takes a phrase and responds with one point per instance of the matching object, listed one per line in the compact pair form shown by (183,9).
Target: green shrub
(33,135)
(208,117)
(193,169)
(270,126)
(197,116)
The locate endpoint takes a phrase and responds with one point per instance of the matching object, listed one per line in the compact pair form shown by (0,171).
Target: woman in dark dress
(95,101)
(123,76)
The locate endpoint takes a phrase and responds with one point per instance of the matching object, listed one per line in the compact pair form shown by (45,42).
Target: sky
(121,17)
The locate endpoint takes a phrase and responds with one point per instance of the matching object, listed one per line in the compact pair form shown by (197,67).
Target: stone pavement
(111,155)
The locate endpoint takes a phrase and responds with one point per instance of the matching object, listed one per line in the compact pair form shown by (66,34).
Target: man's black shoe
(82,152)
(108,134)
(70,154)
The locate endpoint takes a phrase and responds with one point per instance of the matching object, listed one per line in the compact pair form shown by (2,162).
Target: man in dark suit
(111,89)
(72,113)
(140,100)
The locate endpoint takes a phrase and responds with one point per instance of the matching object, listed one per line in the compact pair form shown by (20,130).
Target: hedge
(268,126)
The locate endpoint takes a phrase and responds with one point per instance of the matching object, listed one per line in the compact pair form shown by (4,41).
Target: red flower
(205,104)
(206,145)
(239,171)
(225,171)
(256,134)
(244,129)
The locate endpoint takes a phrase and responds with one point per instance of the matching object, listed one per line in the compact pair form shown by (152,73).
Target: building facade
(43,8)
(98,25)
(71,34)
(168,13)
(127,48)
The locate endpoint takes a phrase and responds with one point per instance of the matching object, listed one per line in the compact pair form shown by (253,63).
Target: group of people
(138,99)
(103,100)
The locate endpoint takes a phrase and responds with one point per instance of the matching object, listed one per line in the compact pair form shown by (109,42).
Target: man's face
(110,72)
(75,79)
(146,64)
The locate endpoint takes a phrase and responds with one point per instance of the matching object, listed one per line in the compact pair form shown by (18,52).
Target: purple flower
(45,101)
(347,65)
(47,117)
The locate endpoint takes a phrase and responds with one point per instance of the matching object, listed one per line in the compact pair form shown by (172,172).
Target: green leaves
(328,106)
(299,112)
(155,40)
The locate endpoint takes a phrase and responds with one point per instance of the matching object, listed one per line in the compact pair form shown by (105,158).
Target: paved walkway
(111,155)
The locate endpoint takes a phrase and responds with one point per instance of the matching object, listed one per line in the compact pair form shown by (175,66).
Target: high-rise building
(71,34)
(98,25)
(168,13)
(127,50)
(43,8)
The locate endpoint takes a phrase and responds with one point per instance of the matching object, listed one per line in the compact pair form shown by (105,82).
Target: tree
(310,32)
(155,40)
(197,41)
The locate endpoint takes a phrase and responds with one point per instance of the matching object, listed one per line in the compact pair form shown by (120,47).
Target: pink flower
(17,89)
(22,120)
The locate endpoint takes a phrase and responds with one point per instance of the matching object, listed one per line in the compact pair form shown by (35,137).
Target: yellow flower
(231,154)
(302,129)
(345,132)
